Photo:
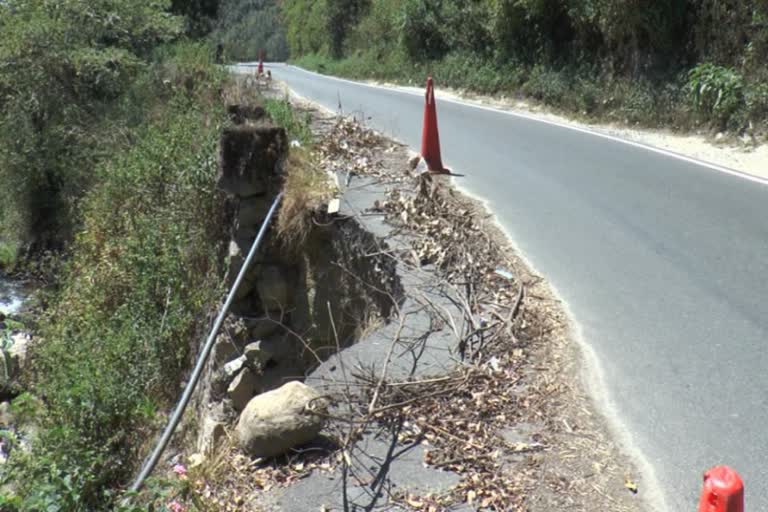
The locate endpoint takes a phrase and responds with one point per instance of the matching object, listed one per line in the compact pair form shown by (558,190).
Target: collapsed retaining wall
(297,305)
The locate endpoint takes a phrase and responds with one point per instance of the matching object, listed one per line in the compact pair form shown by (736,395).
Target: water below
(12,295)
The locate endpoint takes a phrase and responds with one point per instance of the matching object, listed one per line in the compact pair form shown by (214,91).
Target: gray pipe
(151,462)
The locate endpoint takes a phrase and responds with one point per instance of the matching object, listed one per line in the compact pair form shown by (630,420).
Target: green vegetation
(679,64)
(283,114)
(142,274)
(246,26)
(8,252)
(109,124)
(65,69)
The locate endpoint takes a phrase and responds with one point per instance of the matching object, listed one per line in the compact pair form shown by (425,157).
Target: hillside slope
(681,63)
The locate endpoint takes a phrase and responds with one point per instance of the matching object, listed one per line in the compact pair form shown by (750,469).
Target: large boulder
(274,422)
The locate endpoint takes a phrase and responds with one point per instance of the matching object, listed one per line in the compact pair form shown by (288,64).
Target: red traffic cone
(430,138)
(261,63)
(723,491)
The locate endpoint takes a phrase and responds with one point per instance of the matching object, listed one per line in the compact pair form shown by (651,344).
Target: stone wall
(295,307)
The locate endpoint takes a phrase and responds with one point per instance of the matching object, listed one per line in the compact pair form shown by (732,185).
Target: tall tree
(61,65)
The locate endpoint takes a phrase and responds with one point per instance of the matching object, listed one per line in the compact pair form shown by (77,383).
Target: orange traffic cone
(430,138)
(723,491)
(261,63)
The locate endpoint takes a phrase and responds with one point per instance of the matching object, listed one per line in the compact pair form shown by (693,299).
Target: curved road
(662,261)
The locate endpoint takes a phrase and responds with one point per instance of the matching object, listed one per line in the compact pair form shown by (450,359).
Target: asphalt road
(663,263)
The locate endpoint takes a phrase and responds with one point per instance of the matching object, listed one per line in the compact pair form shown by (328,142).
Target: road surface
(662,262)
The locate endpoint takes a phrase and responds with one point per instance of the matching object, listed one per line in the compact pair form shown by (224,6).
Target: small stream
(12,295)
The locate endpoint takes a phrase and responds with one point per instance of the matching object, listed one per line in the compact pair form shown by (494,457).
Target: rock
(224,350)
(274,422)
(232,368)
(235,257)
(257,354)
(413,162)
(242,389)
(264,326)
(17,353)
(246,232)
(247,305)
(211,434)
(6,416)
(275,287)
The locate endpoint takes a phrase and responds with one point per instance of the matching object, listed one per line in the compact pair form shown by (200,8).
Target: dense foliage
(64,67)
(109,122)
(133,299)
(650,62)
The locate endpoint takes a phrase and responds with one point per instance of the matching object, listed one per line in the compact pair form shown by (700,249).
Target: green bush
(244,27)
(638,104)
(716,92)
(283,114)
(421,32)
(8,254)
(619,59)
(144,270)
(551,87)
(756,101)
(65,66)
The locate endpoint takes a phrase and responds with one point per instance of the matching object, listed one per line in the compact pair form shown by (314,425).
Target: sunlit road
(663,263)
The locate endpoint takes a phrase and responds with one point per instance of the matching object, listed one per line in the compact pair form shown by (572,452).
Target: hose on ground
(173,422)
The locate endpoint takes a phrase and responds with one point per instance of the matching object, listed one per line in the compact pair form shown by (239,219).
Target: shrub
(420,30)
(134,295)
(8,253)
(283,114)
(716,92)
(549,86)
(756,100)
(638,105)
(64,68)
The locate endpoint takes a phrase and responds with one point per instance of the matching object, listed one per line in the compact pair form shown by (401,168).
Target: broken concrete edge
(258,350)
(577,407)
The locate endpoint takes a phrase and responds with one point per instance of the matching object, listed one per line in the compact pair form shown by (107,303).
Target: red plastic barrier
(723,491)
(430,137)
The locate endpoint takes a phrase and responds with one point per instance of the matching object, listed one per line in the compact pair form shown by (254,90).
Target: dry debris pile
(461,418)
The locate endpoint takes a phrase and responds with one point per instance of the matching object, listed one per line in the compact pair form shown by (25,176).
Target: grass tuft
(306,188)
(8,255)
